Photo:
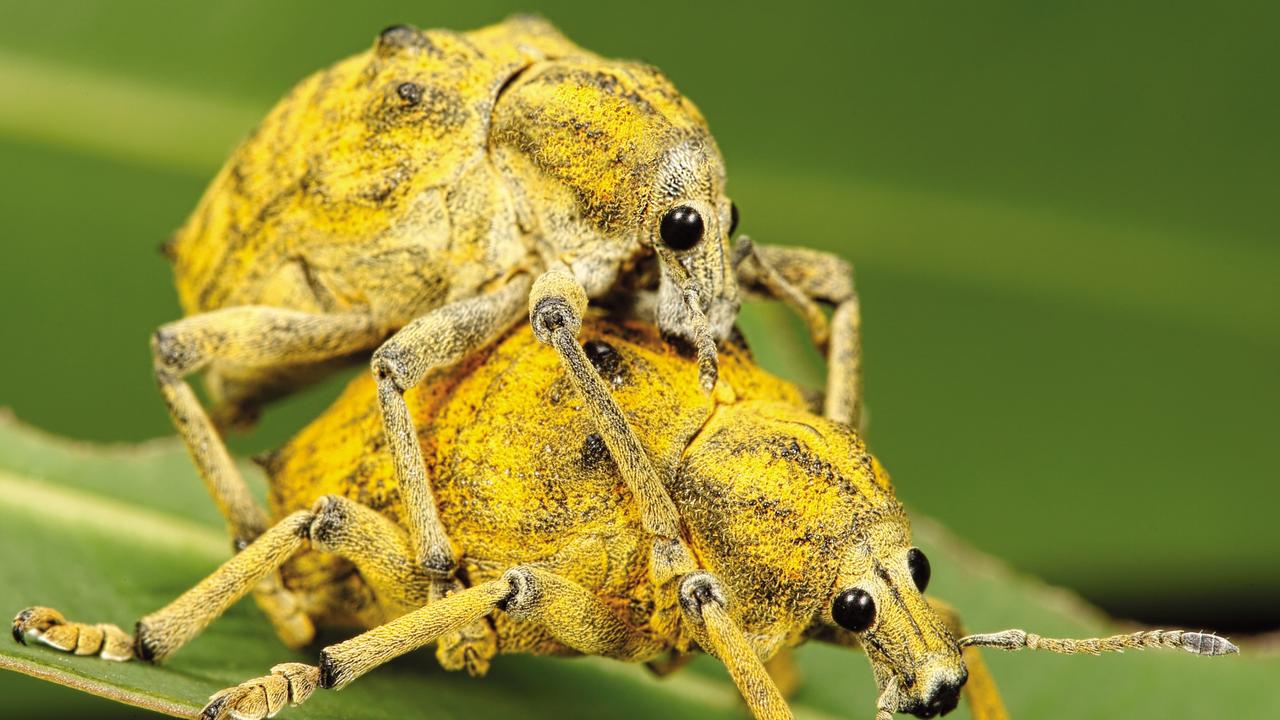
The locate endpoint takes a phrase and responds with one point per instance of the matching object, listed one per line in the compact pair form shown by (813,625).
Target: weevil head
(613,171)
(801,524)
(878,603)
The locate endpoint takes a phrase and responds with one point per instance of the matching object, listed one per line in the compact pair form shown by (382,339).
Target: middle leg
(569,612)
(378,548)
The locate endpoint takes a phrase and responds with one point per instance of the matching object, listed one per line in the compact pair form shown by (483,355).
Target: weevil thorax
(596,153)
(792,512)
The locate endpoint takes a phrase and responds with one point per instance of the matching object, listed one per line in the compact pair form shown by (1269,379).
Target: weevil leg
(804,279)
(980,691)
(245,336)
(569,612)
(48,627)
(339,664)
(437,339)
(572,615)
(556,305)
(161,633)
(378,548)
(381,550)
(705,606)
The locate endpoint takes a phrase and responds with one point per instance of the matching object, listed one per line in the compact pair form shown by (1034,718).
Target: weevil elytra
(414,199)
(794,524)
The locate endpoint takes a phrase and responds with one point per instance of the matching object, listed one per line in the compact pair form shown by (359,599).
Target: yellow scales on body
(521,477)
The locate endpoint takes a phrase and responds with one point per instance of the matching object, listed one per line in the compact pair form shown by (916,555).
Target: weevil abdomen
(368,184)
(503,444)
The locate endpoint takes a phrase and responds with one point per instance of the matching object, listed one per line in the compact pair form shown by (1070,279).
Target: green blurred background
(1063,219)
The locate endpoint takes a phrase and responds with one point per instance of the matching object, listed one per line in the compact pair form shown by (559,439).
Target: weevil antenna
(1196,643)
(703,342)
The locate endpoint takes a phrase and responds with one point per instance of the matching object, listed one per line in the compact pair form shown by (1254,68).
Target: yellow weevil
(412,199)
(793,525)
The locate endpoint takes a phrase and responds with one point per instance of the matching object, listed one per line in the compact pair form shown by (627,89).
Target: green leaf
(108,533)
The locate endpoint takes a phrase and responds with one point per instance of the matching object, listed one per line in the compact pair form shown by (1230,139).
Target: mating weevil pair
(417,199)
(794,524)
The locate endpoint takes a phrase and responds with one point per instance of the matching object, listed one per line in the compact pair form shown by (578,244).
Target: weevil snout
(922,659)
(938,684)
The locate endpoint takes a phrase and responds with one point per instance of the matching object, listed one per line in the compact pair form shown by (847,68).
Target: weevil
(794,525)
(413,200)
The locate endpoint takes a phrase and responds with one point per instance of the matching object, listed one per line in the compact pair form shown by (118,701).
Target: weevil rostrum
(413,200)
(794,526)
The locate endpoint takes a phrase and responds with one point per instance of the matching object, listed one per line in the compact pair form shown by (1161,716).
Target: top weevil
(417,197)
(795,527)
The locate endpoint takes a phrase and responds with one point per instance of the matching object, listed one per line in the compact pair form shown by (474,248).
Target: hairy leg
(703,602)
(568,611)
(804,279)
(556,305)
(437,339)
(247,336)
(334,524)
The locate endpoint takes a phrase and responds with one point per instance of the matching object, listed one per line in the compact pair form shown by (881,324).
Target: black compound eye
(681,228)
(918,564)
(854,610)
(733,218)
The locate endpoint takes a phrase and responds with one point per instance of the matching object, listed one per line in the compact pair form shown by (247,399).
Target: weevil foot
(48,627)
(471,648)
(263,697)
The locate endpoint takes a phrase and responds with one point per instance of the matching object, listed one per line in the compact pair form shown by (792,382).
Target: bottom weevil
(794,524)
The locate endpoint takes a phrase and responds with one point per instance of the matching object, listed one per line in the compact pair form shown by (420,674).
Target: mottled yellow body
(787,510)
(520,476)
(411,204)
(436,166)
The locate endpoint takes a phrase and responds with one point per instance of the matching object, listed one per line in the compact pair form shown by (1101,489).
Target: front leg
(705,608)
(527,594)
(803,279)
(437,339)
(556,305)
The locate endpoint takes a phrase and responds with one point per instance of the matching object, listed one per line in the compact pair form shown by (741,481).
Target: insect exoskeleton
(793,525)
(786,511)
(411,203)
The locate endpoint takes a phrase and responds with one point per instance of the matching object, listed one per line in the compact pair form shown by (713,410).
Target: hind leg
(248,337)
(161,633)
(377,547)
